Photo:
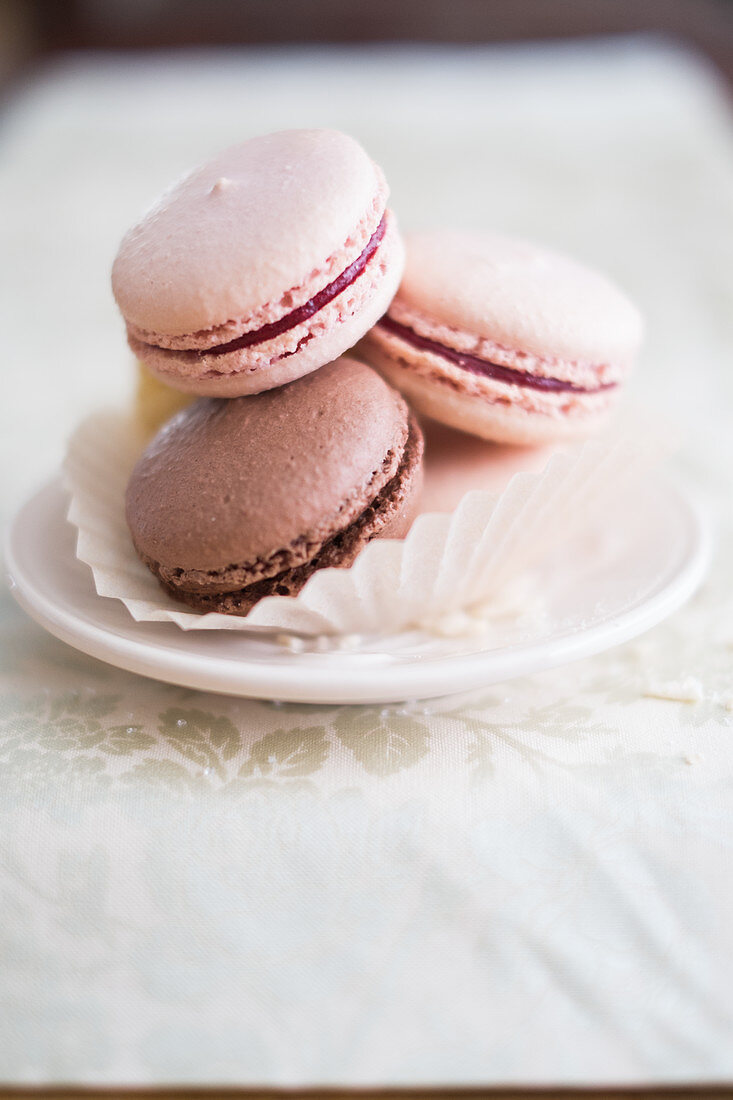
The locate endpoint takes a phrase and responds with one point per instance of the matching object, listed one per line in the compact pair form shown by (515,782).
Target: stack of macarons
(245,285)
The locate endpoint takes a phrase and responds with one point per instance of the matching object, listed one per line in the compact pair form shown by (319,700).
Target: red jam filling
(476,365)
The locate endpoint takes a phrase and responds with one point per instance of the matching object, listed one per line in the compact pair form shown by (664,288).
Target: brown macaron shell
(235,500)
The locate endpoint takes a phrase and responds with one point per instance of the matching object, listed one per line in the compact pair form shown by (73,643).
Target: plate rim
(274,680)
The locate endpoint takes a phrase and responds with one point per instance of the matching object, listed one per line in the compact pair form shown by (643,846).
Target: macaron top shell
(519,296)
(242,231)
(232,482)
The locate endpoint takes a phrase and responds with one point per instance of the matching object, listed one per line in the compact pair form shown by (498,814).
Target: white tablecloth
(530,885)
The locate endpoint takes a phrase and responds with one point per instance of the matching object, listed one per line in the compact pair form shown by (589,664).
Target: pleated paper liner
(453,569)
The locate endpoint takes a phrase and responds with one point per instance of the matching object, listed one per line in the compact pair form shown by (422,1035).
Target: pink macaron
(505,340)
(260,266)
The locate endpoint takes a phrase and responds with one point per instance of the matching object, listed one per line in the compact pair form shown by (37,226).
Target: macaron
(239,499)
(505,340)
(260,266)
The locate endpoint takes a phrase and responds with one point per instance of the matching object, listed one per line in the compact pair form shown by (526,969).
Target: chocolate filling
(338,551)
(483,367)
(302,313)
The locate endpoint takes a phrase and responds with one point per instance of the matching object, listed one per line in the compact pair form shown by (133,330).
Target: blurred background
(34,29)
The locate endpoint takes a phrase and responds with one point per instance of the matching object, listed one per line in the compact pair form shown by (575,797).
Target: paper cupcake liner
(448,564)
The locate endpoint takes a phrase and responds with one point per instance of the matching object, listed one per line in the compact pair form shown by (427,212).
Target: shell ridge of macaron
(235,283)
(529,347)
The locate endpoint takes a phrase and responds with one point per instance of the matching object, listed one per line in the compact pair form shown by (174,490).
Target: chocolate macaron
(506,340)
(239,499)
(260,266)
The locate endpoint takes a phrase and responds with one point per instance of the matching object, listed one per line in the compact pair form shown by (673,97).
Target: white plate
(599,591)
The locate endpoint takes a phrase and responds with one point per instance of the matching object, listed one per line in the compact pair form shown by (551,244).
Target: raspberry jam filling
(302,313)
(475,365)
